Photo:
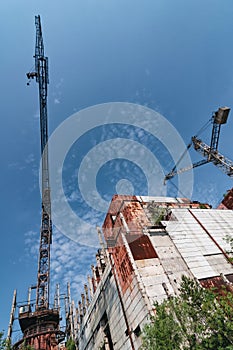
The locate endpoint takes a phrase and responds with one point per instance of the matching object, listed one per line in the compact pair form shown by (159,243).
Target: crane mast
(41,75)
(39,323)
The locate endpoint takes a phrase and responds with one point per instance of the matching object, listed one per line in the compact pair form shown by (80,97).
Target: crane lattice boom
(226,165)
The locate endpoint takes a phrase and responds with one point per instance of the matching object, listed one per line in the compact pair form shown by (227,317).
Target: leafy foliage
(229,239)
(70,344)
(4,343)
(157,213)
(196,319)
(26,346)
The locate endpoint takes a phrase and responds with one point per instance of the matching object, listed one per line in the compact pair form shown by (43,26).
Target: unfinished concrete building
(151,243)
(227,202)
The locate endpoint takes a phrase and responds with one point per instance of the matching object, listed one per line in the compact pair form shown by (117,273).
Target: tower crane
(42,78)
(40,325)
(209,153)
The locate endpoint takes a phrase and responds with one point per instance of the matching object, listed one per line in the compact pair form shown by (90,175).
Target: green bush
(196,319)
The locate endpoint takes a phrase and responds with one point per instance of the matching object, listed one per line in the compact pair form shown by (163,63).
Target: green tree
(26,346)
(4,343)
(70,344)
(229,239)
(163,332)
(196,319)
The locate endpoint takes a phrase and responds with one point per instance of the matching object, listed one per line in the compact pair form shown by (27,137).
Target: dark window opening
(142,248)
(137,331)
(108,341)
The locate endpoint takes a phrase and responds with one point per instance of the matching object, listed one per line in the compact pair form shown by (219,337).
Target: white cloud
(73,197)
(37,114)
(30,158)
(70,262)
(32,244)
(59,84)
(207,193)
(57,93)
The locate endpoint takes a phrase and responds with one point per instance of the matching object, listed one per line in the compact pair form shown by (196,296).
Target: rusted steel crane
(42,78)
(39,322)
(210,153)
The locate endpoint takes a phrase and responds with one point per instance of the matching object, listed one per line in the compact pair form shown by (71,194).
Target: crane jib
(210,153)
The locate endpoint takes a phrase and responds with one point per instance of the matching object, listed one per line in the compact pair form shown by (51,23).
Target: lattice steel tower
(42,78)
(40,324)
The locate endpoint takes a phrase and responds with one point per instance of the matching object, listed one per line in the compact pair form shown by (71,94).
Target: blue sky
(172,56)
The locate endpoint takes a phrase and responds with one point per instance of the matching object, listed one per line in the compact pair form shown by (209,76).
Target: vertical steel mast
(41,75)
(40,326)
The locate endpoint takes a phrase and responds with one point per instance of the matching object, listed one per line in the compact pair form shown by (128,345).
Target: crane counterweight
(221,116)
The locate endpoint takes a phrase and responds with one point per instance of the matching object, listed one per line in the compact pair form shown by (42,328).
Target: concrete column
(86,294)
(90,286)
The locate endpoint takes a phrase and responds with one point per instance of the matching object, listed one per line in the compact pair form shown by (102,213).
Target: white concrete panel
(151,270)
(220,264)
(147,262)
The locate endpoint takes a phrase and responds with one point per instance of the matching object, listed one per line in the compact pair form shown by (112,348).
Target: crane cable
(178,190)
(203,128)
